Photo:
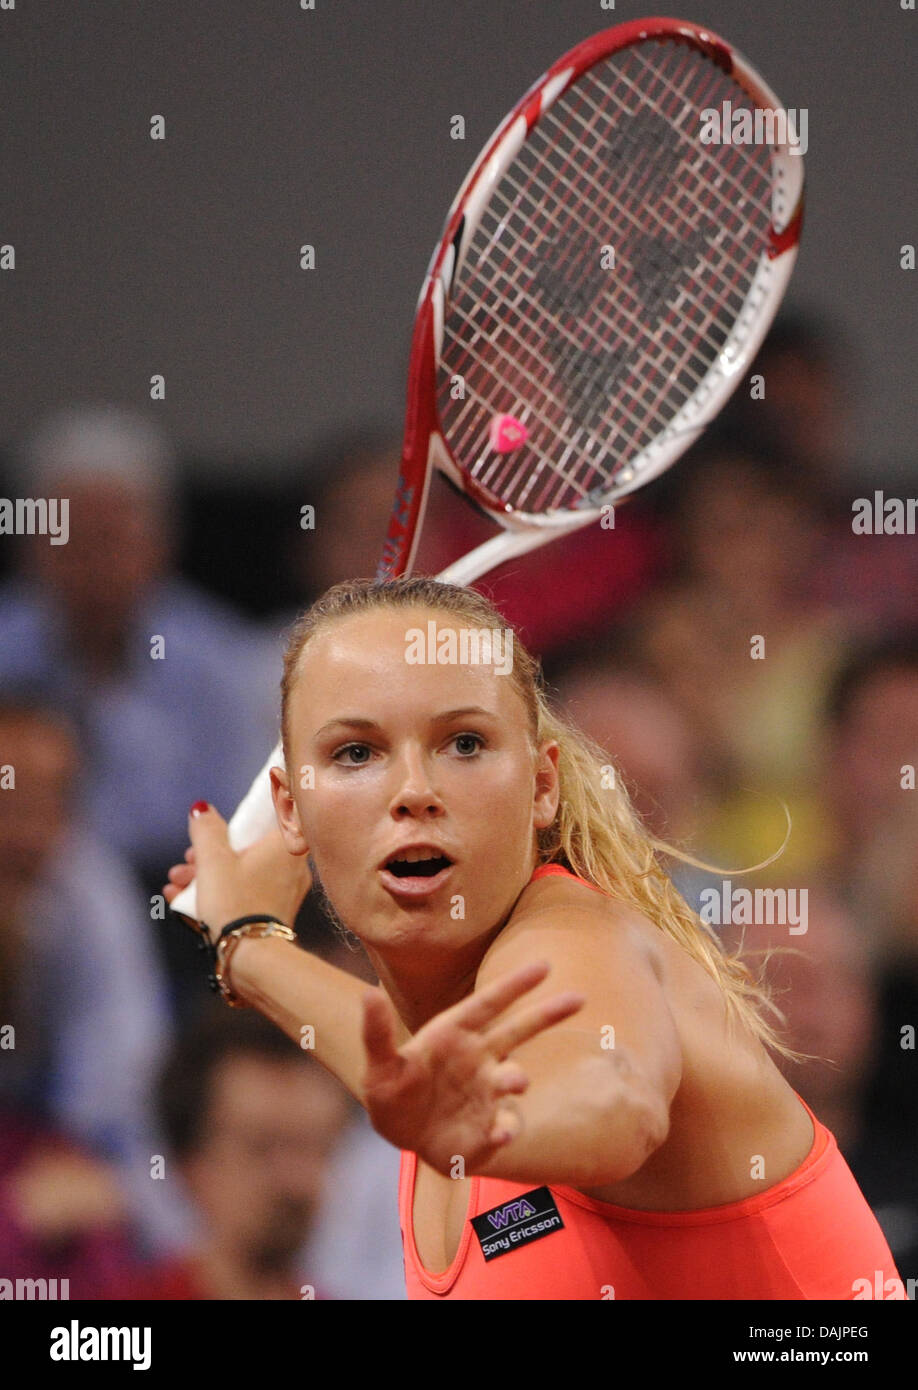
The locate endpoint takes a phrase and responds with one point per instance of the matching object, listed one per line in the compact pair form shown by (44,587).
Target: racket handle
(253,817)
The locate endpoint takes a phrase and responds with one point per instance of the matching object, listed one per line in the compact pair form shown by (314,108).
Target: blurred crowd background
(154,1143)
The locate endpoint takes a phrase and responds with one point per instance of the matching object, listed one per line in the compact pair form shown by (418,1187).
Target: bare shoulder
(568,915)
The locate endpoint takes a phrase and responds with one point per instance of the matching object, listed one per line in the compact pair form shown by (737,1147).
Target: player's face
(419,758)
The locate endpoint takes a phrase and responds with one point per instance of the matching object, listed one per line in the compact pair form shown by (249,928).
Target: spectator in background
(81,990)
(804,419)
(252,1122)
(746,650)
(174,695)
(80,984)
(632,716)
(801,413)
(355,479)
(869,778)
(653,745)
(872,756)
(63,1217)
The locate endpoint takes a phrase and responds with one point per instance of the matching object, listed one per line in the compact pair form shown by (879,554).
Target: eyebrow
(356,721)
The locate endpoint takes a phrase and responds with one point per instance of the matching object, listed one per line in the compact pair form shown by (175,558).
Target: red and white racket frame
(424,446)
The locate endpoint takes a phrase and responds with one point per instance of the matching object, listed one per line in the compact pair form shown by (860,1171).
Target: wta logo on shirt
(512,1224)
(513,1211)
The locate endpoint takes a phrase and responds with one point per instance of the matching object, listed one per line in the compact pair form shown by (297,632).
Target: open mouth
(418,868)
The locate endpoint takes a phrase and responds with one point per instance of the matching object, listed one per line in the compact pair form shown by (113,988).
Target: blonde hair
(596,832)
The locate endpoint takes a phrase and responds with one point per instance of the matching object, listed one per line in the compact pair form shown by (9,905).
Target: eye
(339,755)
(476,741)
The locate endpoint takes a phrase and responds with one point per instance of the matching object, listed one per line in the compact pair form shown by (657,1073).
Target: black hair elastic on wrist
(204,943)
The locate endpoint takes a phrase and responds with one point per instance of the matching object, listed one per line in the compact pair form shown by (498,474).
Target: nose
(297,1177)
(415,793)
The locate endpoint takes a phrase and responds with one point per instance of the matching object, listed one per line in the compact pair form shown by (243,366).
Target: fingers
(181,875)
(507,1125)
(206,827)
(505,1036)
(209,836)
(508,1079)
(378,1032)
(484,1005)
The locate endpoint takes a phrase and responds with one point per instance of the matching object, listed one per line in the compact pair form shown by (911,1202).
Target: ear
(547,786)
(285,808)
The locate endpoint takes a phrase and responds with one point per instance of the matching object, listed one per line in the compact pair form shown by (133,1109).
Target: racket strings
(504,282)
(659,266)
(639,133)
(752,162)
(679,192)
(625,203)
(596,362)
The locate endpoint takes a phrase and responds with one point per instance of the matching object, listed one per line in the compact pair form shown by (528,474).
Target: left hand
(440,1094)
(265,877)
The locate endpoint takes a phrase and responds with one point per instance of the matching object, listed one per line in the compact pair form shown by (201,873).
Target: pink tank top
(810,1236)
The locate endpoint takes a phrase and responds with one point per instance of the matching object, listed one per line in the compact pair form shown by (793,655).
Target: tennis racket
(606,273)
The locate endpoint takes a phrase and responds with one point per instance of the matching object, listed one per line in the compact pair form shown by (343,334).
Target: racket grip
(253,817)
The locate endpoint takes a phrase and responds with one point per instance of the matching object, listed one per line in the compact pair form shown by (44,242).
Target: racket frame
(425,447)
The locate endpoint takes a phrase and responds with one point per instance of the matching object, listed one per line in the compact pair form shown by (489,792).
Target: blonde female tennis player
(578,1077)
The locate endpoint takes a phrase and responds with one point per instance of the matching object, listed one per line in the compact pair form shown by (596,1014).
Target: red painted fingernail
(199,808)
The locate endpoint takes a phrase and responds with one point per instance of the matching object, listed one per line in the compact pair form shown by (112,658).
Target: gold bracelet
(227,945)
